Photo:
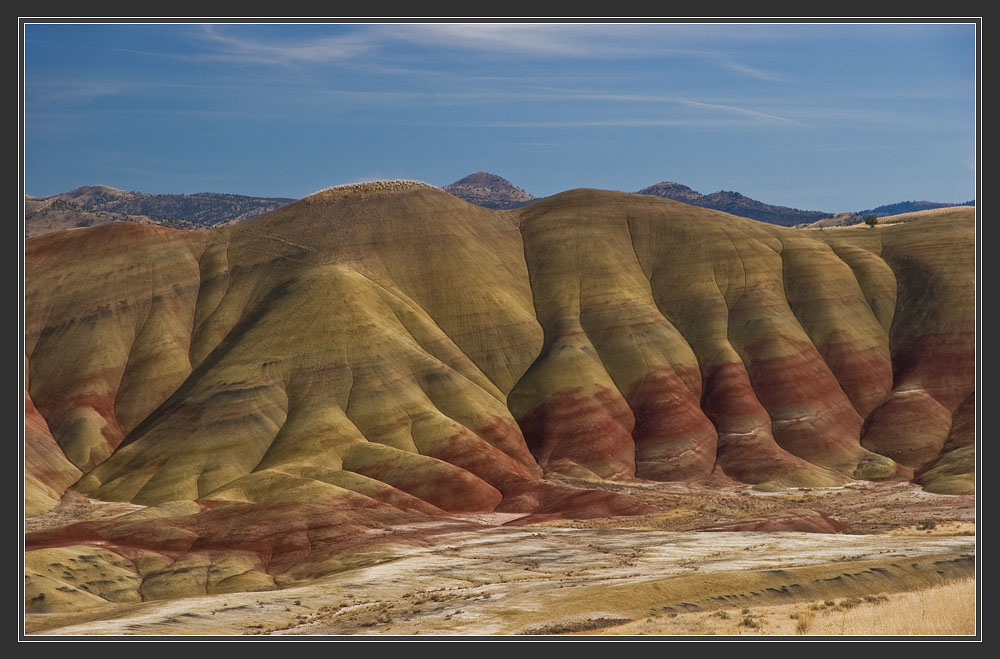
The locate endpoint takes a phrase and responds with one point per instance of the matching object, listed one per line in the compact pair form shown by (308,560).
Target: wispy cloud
(362,40)
(508,40)
(341,47)
(745,69)
(490,96)
(517,38)
(772,118)
(50,91)
(604,123)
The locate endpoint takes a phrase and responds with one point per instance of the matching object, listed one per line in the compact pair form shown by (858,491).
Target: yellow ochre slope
(392,342)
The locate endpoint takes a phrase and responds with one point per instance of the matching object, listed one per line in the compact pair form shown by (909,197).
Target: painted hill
(489,191)
(958,213)
(277,391)
(945,213)
(910,207)
(838,220)
(734,203)
(95,205)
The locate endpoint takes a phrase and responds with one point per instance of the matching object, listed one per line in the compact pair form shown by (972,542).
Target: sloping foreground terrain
(272,400)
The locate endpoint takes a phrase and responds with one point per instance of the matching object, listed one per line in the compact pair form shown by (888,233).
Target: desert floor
(906,557)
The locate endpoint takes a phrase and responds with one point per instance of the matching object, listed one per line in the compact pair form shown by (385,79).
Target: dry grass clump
(368,187)
(939,528)
(941,610)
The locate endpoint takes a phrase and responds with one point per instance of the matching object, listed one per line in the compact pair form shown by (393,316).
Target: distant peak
(482,178)
(728,194)
(735,203)
(671,190)
(489,190)
(96,193)
(96,188)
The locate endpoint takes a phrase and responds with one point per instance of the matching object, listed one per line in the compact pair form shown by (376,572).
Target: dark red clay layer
(674,440)
(547,501)
(943,364)
(470,452)
(280,534)
(805,521)
(506,436)
(864,375)
(910,427)
(573,429)
(811,416)
(63,413)
(963,425)
(747,451)
(441,484)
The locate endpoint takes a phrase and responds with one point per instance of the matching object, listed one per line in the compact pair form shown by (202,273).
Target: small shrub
(871,220)
(926,525)
(721,614)
(750,622)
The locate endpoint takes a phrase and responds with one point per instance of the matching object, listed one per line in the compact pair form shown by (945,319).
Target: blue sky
(821,117)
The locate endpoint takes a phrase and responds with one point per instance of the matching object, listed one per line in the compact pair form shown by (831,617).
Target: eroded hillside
(380,353)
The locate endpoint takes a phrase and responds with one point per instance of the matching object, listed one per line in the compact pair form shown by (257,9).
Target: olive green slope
(391,341)
(47,472)
(687,339)
(354,340)
(108,323)
(930,411)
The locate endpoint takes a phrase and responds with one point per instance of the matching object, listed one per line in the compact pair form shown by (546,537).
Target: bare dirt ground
(863,507)
(78,508)
(651,574)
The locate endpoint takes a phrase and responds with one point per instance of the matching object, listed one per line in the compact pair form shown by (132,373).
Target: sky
(830,117)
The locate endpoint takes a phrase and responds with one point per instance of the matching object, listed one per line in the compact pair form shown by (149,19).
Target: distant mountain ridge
(735,204)
(100,204)
(911,207)
(492,191)
(56,213)
(201,209)
(489,191)
(675,191)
